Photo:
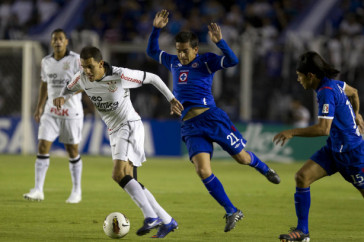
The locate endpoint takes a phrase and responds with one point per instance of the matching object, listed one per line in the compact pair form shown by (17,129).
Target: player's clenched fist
(58,102)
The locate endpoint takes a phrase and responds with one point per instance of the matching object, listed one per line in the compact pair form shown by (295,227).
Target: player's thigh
(71,131)
(49,128)
(128,143)
(309,173)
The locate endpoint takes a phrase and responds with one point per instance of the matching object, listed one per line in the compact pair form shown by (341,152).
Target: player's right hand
(58,102)
(161,19)
(37,114)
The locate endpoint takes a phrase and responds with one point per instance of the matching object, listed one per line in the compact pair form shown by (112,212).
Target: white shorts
(127,144)
(68,130)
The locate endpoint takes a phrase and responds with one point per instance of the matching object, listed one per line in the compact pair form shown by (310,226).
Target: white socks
(41,167)
(136,192)
(75,166)
(162,214)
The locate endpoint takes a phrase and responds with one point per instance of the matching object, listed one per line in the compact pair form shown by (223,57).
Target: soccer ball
(116,225)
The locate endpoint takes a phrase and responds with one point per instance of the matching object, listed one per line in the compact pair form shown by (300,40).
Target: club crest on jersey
(194,65)
(66,66)
(112,86)
(183,76)
(325,108)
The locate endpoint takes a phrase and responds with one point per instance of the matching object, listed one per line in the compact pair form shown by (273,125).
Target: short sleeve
(326,103)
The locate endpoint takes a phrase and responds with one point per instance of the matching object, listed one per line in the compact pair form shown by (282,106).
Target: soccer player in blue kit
(338,117)
(203,122)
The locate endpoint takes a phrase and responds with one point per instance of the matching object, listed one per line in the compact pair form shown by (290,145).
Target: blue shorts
(350,164)
(213,125)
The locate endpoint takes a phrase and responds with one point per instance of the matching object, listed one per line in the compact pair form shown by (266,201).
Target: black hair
(91,52)
(312,62)
(59,30)
(185,37)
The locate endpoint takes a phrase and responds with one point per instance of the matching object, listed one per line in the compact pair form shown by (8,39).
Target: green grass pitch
(337,209)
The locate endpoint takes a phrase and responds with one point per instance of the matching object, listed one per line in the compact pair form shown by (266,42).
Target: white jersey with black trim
(111,94)
(57,74)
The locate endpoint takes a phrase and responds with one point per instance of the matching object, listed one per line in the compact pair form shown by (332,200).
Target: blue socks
(302,199)
(217,191)
(258,164)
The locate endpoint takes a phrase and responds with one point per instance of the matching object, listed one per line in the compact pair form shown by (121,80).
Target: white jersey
(111,95)
(57,74)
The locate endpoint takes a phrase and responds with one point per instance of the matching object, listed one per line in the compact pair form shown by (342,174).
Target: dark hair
(312,62)
(91,52)
(185,37)
(58,31)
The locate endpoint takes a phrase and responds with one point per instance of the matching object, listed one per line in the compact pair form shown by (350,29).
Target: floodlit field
(337,209)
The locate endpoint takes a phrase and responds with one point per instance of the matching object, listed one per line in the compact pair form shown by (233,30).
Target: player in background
(108,88)
(57,69)
(338,117)
(203,122)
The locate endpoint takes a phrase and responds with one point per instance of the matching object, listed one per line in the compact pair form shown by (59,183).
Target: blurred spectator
(300,116)
(47,9)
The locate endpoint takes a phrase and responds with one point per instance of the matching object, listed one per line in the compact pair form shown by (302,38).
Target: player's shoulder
(47,57)
(208,56)
(74,54)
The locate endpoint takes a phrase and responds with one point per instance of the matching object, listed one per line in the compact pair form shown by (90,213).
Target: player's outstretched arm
(161,19)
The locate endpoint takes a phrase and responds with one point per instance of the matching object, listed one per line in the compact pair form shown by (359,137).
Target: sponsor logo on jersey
(325,108)
(62,112)
(103,106)
(130,79)
(195,65)
(66,66)
(112,86)
(183,76)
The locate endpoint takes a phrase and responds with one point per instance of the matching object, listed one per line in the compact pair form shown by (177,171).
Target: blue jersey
(192,83)
(334,104)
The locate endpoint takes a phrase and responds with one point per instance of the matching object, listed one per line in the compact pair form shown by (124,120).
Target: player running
(66,123)
(203,122)
(338,117)
(108,88)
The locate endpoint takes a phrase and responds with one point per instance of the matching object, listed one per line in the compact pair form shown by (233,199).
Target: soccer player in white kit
(108,88)
(57,69)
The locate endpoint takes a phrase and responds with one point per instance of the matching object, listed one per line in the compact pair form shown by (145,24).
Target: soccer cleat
(164,229)
(75,197)
(231,220)
(34,195)
(149,224)
(272,176)
(294,235)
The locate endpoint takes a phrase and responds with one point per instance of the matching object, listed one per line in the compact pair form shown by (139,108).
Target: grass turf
(336,209)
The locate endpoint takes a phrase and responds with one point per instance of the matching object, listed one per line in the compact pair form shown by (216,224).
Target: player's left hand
(176,107)
(58,102)
(214,32)
(282,137)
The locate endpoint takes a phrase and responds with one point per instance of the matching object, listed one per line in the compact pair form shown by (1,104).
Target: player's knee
(301,179)
(203,173)
(43,148)
(72,150)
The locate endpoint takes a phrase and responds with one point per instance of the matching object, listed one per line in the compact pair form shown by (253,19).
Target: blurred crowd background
(279,31)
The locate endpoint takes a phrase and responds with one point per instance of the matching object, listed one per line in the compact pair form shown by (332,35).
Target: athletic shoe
(34,195)
(164,229)
(295,235)
(272,176)
(75,197)
(149,224)
(231,220)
